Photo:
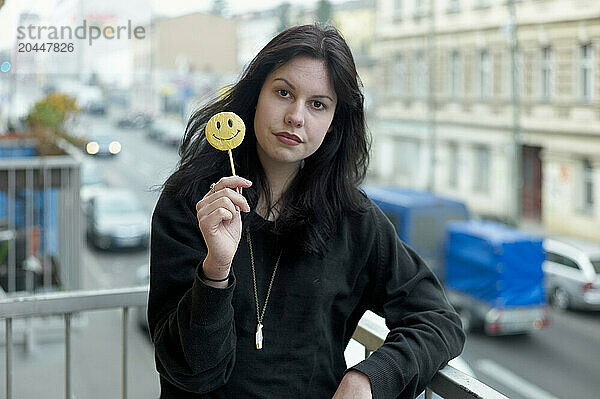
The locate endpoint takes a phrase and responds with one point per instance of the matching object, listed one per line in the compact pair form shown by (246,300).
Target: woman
(259,280)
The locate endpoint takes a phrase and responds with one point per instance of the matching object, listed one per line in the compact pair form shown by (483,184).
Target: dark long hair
(327,186)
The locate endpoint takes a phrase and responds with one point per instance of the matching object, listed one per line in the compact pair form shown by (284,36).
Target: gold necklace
(259,316)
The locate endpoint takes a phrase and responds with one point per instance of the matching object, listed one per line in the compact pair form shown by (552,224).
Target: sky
(9,14)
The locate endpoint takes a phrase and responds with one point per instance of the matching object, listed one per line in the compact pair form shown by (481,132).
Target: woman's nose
(294,117)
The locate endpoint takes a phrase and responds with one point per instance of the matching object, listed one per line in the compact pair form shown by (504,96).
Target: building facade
(461,131)
(184,62)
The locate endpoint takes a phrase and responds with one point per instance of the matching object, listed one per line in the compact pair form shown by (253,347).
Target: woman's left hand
(354,385)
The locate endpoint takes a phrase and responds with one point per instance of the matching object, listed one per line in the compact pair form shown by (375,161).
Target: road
(560,362)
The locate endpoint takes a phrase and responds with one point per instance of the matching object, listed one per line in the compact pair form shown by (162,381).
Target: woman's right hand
(220,222)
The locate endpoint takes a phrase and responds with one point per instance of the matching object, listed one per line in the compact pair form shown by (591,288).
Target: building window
(588,185)
(453,6)
(485,74)
(453,164)
(400,76)
(481,182)
(419,8)
(421,75)
(397,12)
(407,159)
(455,74)
(586,75)
(546,74)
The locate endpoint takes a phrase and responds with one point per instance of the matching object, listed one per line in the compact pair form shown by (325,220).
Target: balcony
(448,383)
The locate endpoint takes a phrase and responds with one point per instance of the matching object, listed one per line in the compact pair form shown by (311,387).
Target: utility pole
(516,108)
(81,45)
(431,102)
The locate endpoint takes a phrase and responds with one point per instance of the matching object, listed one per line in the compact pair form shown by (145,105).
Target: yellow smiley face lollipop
(225,131)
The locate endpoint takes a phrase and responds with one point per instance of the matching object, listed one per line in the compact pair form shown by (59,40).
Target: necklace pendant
(259,336)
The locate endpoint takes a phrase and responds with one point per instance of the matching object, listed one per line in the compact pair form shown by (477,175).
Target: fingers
(211,201)
(216,216)
(216,212)
(232,182)
(223,202)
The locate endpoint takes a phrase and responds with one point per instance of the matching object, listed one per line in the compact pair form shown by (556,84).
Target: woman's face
(294,112)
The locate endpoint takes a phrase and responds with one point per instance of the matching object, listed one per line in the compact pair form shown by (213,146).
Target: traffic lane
(561,362)
(116,268)
(142,166)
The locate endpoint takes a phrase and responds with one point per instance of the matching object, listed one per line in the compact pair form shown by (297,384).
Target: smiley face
(225,131)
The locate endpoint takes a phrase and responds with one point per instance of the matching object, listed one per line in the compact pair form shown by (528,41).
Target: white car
(572,273)
(92,183)
(116,219)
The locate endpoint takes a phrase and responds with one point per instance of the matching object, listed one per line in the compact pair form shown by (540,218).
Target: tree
(324,13)
(284,16)
(52,111)
(46,121)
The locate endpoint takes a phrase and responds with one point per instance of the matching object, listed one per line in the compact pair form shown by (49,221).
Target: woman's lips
(288,138)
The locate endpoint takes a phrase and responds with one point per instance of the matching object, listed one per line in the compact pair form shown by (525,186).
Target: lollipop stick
(239,189)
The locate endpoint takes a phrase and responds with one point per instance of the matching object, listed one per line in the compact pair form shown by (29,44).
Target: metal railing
(371,332)
(68,304)
(448,383)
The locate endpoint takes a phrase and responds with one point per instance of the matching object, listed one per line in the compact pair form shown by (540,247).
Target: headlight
(114,147)
(92,148)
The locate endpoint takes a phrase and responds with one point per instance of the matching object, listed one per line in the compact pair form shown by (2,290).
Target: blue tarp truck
(494,277)
(492,273)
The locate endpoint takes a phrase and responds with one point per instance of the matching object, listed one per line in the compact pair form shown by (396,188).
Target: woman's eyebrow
(294,88)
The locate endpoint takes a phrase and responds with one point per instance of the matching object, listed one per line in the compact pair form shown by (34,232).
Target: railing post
(68,355)
(9,358)
(124,344)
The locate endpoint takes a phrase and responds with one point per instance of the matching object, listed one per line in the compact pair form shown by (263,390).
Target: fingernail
(248,181)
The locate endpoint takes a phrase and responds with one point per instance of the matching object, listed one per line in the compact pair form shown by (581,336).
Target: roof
(492,231)
(590,248)
(406,198)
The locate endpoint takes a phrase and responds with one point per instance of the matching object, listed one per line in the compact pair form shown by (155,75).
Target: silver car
(572,273)
(117,219)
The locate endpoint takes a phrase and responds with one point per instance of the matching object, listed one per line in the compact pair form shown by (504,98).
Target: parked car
(117,219)
(92,182)
(103,145)
(572,273)
(167,130)
(134,120)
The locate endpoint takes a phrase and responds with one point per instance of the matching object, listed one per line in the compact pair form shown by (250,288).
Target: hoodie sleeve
(191,323)
(425,331)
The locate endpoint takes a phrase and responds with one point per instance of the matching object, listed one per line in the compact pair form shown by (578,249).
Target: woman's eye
(283,92)
(318,105)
